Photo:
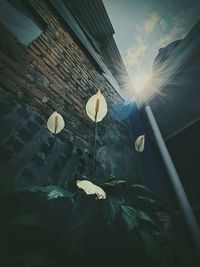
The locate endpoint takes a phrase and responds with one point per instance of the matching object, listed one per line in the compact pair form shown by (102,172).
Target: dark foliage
(51,226)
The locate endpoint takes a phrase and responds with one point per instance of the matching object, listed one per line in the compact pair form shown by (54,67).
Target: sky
(143,26)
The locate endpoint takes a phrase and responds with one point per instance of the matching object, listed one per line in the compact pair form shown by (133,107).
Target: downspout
(179,191)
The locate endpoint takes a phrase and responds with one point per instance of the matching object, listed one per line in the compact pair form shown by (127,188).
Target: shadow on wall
(117,155)
(30,154)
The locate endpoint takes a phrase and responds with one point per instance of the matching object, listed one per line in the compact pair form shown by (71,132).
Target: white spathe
(91,189)
(55,123)
(97,103)
(139,143)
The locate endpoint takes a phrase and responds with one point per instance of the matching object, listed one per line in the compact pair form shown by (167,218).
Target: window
(18,19)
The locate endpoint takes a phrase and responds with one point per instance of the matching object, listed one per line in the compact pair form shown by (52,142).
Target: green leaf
(144,216)
(110,208)
(51,191)
(140,187)
(115,182)
(129,216)
(149,200)
(132,216)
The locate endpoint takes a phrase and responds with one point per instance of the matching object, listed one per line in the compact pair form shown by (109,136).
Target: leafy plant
(87,228)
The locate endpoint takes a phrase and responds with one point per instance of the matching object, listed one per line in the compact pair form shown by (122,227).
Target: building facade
(50,62)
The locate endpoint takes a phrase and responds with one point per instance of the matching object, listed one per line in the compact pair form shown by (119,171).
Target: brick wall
(55,73)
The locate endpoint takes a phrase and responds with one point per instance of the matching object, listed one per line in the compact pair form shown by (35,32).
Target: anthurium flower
(55,123)
(96,107)
(139,143)
(91,189)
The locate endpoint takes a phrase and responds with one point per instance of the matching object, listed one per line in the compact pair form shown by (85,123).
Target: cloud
(170,37)
(150,23)
(178,28)
(155,31)
(134,54)
(163,24)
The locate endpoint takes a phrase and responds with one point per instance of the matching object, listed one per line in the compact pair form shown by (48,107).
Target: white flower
(91,189)
(55,123)
(139,143)
(96,105)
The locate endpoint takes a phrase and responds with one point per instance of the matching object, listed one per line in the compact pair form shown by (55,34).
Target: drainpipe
(183,202)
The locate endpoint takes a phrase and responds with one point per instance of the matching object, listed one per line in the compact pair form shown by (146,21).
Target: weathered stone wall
(55,73)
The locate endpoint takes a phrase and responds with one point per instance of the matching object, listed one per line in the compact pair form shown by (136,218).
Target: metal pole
(184,204)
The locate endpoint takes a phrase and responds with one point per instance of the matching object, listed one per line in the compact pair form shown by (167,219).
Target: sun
(140,80)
